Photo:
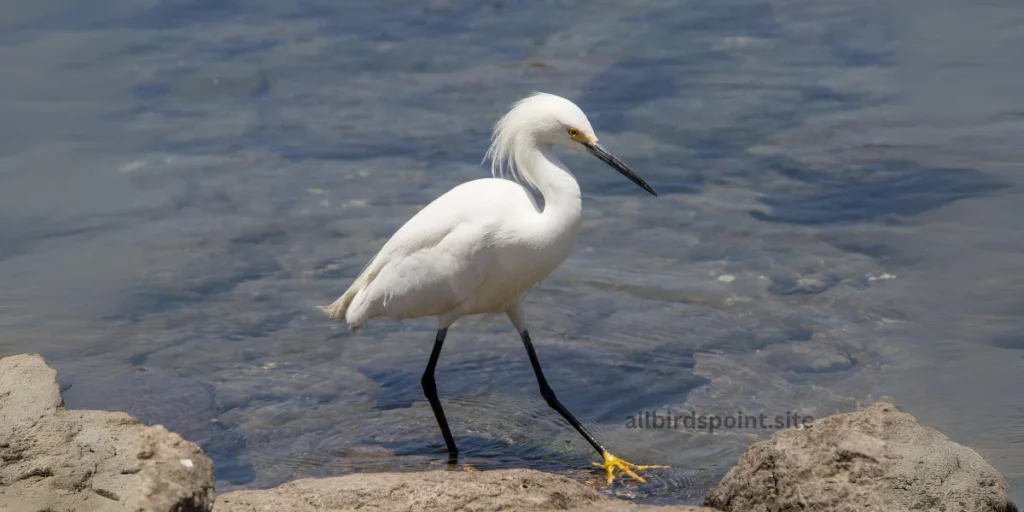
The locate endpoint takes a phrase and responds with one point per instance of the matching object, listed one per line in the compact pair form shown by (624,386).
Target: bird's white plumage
(481,246)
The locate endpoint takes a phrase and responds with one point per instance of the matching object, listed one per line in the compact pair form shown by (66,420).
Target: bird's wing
(436,260)
(432,280)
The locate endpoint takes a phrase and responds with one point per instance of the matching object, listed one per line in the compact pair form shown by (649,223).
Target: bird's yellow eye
(573,132)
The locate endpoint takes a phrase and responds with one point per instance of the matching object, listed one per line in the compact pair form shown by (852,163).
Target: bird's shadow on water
(869,191)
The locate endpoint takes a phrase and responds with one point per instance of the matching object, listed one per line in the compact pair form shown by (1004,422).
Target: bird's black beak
(595,149)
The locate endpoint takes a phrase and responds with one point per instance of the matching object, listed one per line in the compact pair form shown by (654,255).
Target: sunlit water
(840,219)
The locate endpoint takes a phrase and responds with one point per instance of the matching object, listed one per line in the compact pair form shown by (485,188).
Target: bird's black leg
(430,389)
(611,463)
(551,399)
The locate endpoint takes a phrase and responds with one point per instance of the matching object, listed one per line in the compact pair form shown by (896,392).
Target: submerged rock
(875,459)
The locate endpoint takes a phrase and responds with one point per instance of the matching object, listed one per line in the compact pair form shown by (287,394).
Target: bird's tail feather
(338,309)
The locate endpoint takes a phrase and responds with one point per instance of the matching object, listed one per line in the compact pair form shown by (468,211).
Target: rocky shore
(874,459)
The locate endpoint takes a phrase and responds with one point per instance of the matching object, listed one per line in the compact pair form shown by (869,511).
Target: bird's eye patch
(573,132)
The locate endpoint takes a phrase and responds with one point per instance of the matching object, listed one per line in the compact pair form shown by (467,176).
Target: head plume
(538,118)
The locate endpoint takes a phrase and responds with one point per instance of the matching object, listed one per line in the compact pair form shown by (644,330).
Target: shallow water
(181,182)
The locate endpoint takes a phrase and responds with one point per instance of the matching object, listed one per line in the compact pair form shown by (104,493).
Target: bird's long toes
(612,464)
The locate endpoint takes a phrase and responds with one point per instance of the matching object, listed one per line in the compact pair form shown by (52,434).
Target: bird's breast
(534,258)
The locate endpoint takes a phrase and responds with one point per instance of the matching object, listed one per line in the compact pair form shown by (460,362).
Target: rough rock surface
(60,460)
(505,490)
(57,460)
(875,459)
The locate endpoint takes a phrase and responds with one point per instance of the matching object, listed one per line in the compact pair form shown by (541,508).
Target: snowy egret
(480,247)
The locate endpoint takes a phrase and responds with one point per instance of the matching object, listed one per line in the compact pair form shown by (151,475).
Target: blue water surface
(839,220)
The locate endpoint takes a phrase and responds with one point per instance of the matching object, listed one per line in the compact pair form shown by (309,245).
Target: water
(181,182)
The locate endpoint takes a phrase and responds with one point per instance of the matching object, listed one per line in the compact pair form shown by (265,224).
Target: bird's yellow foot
(612,463)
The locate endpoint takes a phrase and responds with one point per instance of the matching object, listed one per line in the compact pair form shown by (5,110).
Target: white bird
(479,248)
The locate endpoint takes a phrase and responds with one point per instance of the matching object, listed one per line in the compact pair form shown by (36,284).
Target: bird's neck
(556,184)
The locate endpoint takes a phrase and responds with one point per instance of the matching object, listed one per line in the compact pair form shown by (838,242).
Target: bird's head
(553,120)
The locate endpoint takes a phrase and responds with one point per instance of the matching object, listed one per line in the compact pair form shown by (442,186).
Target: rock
(69,460)
(875,459)
(176,475)
(58,460)
(506,490)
